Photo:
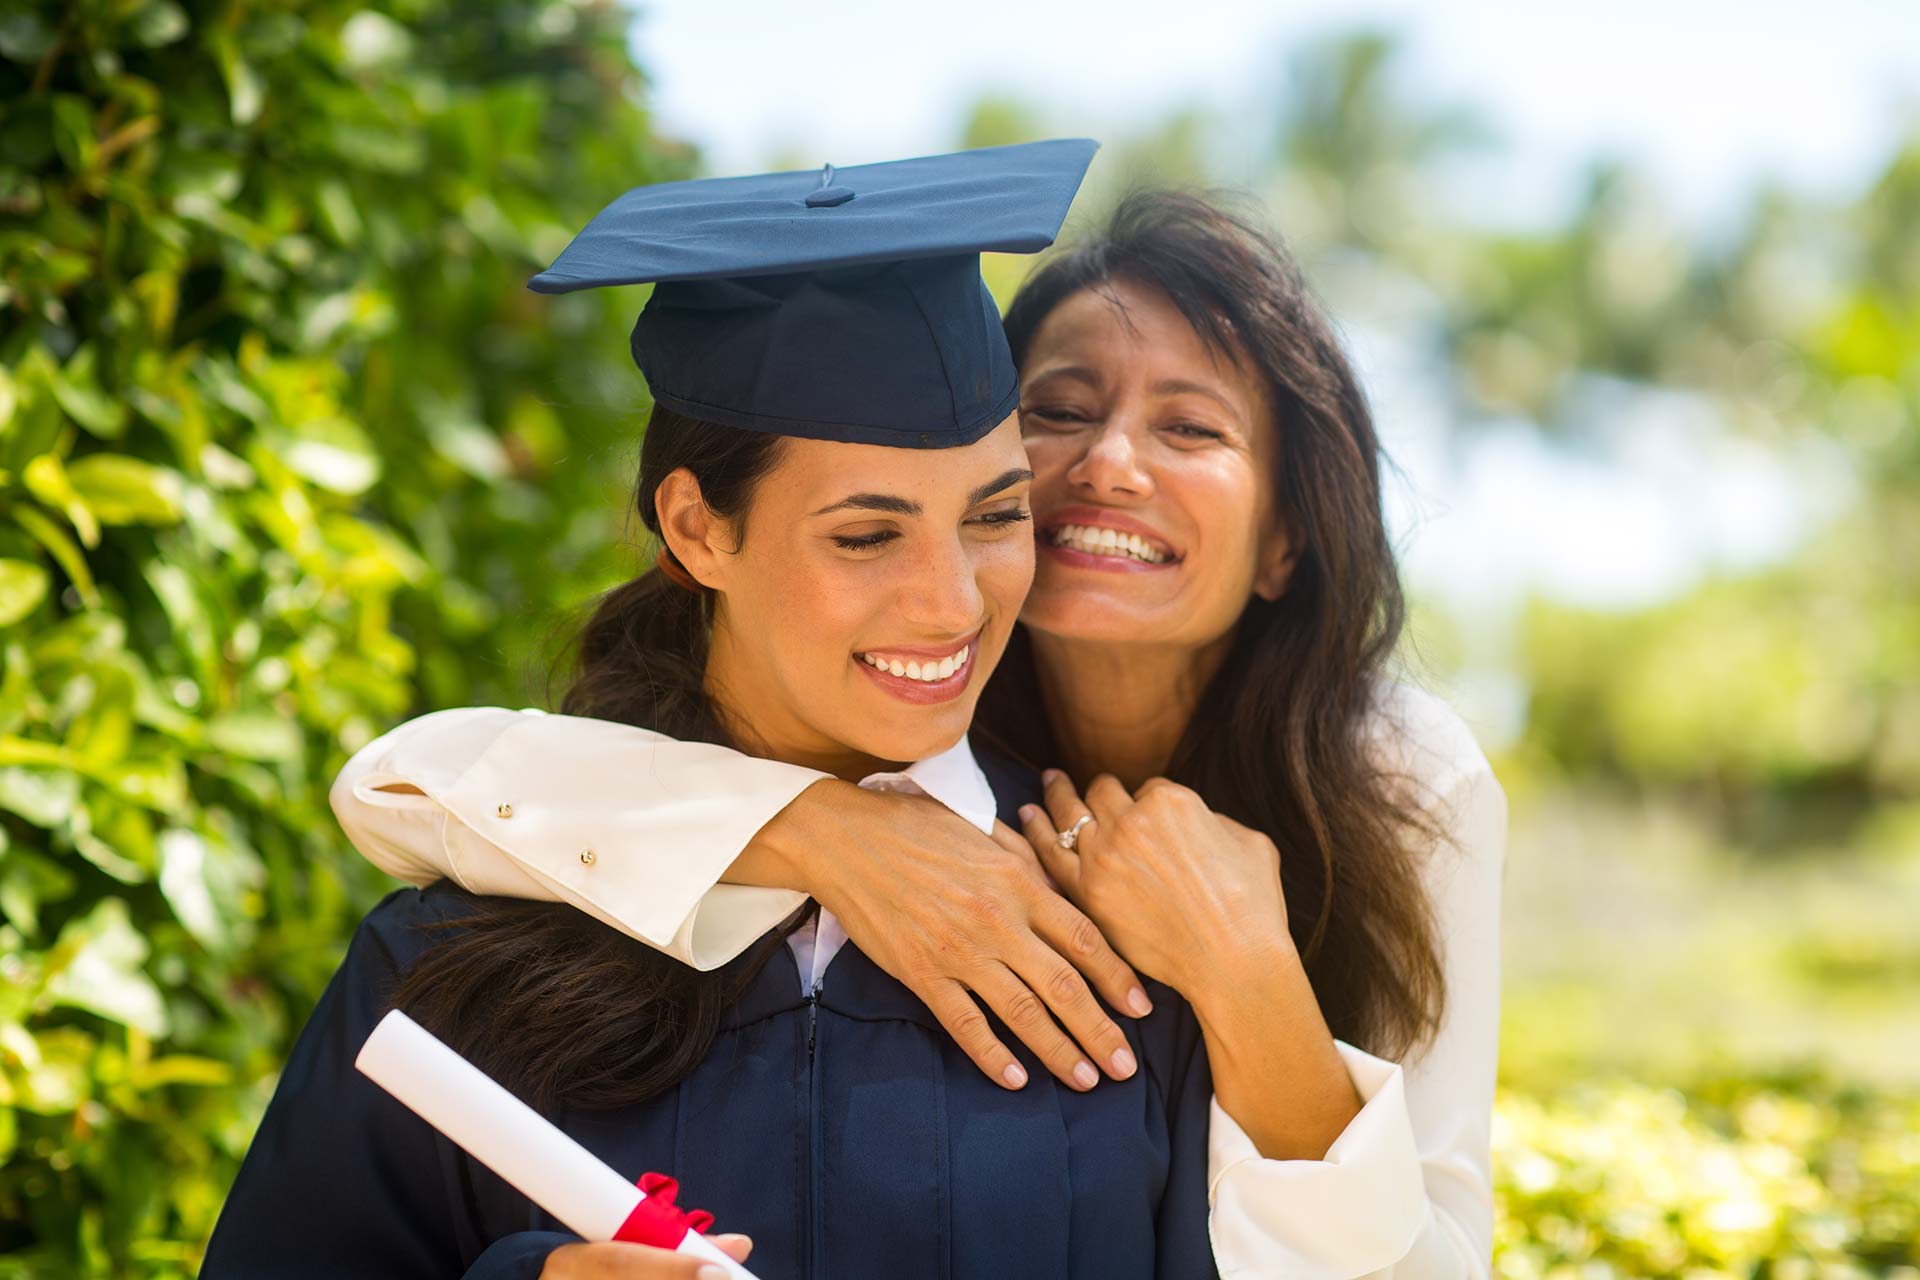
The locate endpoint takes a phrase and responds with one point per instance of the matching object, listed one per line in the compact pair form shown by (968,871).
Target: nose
(940,593)
(1110,467)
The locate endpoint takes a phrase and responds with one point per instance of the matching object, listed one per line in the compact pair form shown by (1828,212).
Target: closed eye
(1194,431)
(1050,414)
(865,541)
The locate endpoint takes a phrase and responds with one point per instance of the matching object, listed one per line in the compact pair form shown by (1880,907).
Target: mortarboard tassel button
(586,857)
(827,196)
(503,811)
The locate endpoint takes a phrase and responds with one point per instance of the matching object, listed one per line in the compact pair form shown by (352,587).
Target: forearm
(1275,1068)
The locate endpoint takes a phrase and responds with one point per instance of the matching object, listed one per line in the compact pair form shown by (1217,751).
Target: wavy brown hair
(1279,738)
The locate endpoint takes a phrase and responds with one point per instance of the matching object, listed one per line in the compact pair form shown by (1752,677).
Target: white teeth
(1096,541)
(926,672)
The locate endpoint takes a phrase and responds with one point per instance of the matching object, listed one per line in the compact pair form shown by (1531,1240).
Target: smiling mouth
(927,670)
(1095,541)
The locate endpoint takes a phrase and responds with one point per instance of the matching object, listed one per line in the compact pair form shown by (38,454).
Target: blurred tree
(287,452)
(1799,329)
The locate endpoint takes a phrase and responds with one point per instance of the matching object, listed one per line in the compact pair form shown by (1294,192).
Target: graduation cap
(833,304)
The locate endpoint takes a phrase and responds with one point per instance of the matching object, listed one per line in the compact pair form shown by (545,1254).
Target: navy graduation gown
(843,1130)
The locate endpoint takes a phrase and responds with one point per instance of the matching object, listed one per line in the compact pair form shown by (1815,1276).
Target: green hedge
(287,453)
(1794,1177)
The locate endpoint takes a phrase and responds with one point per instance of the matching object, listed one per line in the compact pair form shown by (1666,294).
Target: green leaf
(27,881)
(338,461)
(123,490)
(97,965)
(158,783)
(245,94)
(47,480)
(65,552)
(23,585)
(73,132)
(44,797)
(55,1081)
(180,1068)
(159,22)
(24,38)
(77,389)
(255,735)
(370,40)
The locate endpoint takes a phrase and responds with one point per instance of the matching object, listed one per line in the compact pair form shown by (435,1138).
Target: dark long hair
(555,1005)
(1279,739)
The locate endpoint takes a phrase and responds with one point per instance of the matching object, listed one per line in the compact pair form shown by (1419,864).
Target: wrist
(784,854)
(1240,970)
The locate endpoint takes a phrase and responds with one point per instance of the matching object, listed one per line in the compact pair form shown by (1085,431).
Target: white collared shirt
(636,829)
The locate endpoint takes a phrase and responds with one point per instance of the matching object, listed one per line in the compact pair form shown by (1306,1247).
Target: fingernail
(1028,811)
(1123,1063)
(1015,1075)
(733,1237)
(708,1271)
(1085,1076)
(1050,775)
(1137,1001)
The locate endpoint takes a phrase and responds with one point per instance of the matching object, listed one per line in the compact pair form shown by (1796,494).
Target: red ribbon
(657,1220)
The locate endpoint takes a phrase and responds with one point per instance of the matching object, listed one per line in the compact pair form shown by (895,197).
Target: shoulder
(1417,735)
(1434,760)
(405,923)
(1013,784)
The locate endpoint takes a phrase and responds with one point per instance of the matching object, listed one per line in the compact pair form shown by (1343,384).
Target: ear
(1279,552)
(697,537)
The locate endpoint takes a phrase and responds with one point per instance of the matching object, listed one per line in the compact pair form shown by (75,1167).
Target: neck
(1120,708)
(760,723)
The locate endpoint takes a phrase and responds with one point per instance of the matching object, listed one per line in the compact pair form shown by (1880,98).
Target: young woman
(1215,603)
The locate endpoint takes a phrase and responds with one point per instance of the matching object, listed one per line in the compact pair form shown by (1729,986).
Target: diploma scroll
(509,1137)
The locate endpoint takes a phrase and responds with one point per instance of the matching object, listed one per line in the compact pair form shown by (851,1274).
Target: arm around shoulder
(631,826)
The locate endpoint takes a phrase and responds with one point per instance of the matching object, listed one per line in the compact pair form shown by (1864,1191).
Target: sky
(1711,93)
(1710,97)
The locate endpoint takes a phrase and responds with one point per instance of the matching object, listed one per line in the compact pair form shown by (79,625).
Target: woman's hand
(1185,894)
(639,1261)
(953,915)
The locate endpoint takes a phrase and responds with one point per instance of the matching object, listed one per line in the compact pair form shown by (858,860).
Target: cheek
(1050,456)
(815,598)
(1004,568)
(1221,501)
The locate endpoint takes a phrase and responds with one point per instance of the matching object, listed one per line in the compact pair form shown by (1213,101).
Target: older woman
(1246,806)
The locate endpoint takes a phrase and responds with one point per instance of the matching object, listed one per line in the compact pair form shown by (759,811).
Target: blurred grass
(1635,942)
(1710,1058)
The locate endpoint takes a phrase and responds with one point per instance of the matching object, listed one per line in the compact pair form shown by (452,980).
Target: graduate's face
(1152,494)
(867,595)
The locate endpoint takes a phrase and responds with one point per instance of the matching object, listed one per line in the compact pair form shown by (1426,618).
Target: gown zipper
(816,1245)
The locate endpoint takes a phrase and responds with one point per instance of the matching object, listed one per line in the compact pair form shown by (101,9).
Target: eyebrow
(908,507)
(1176,387)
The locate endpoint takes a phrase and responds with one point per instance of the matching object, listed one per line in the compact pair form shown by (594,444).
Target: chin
(927,736)
(1088,615)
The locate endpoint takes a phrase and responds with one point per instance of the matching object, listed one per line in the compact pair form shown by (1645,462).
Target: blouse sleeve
(628,825)
(1406,1191)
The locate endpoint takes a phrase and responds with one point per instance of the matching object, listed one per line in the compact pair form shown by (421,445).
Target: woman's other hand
(639,1262)
(954,914)
(1183,892)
